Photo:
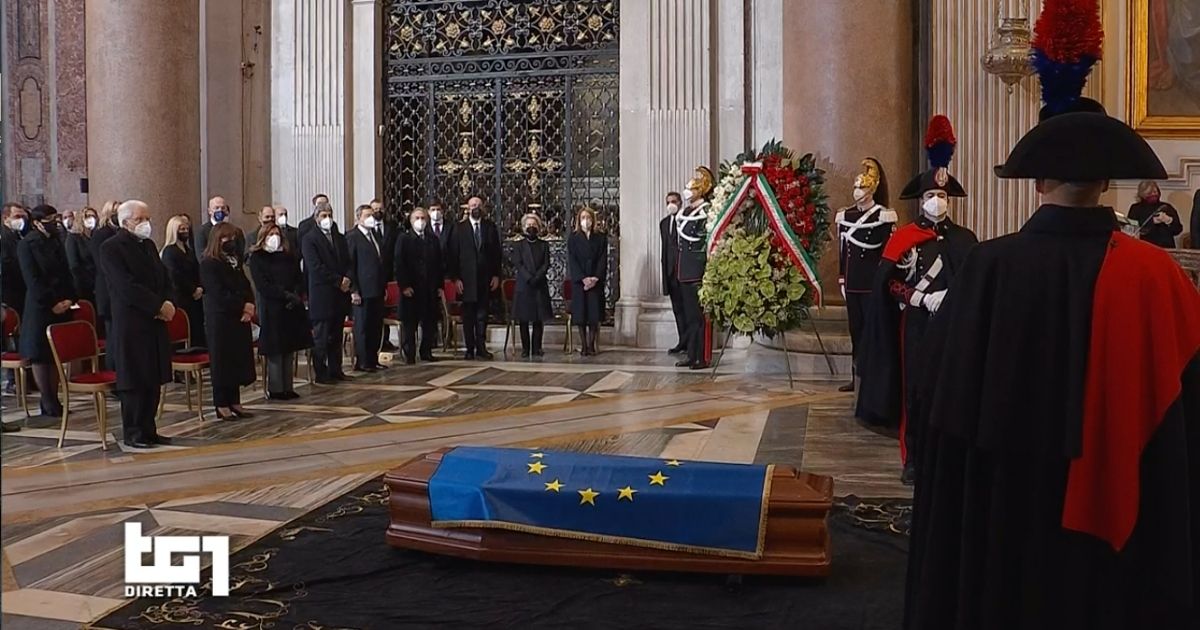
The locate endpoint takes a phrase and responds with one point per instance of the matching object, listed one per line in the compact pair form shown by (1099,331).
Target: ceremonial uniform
(691,228)
(1059,482)
(915,272)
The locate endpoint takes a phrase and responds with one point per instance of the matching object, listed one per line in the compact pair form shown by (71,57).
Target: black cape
(1004,389)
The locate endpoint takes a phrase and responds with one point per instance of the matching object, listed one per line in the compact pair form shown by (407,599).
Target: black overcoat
(282,318)
(83,265)
(326,262)
(99,236)
(587,257)
(474,264)
(418,266)
(138,284)
(531,298)
(184,271)
(43,260)
(230,343)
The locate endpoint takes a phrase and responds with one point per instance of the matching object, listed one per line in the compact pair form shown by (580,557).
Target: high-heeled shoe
(223,417)
(241,413)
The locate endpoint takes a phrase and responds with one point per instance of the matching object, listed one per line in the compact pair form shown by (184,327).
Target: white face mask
(281,220)
(369,222)
(273,243)
(935,208)
(90,223)
(326,223)
(587,224)
(143,230)
(68,222)
(435,215)
(672,207)
(860,194)
(17,224)
(687,195)
(419,225)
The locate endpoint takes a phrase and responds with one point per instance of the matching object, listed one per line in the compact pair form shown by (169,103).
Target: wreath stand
(787,357)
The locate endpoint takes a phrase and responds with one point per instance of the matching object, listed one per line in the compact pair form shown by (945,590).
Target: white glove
(933,301)
(842,286)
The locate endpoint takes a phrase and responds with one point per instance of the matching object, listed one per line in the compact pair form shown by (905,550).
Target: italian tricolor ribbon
(757,182)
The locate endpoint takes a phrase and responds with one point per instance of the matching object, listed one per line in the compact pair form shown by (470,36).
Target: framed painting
(1163,87)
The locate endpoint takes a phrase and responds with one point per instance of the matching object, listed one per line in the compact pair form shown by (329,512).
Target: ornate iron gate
(511,100)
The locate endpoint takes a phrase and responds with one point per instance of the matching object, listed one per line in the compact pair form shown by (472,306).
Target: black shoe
(242,413)
(909,476)
(365,369)
(698,365)
(325,380)
(161,439)
(848,387)
(226,418)
(683,363)
(469,356)
(539,353)
(677,350)
(410,361)
(380,366)
(524,354)
(485,355)
(9,428)
(428,358)
(139,443)
(340,376)
(52,413)
(289,395)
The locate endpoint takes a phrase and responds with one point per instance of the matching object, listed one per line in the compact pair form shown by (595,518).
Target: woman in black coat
(282,319)
(1159,220)
(587,265)
(49,296)
(531,299)
(180,261)
(79,255)
(228,309)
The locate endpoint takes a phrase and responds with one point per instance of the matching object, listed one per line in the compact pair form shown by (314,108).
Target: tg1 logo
(163,579)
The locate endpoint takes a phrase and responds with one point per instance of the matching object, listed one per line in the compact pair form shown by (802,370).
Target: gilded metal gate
(511,100)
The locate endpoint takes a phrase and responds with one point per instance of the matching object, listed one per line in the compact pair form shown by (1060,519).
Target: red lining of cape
(905,239)
(1145,330)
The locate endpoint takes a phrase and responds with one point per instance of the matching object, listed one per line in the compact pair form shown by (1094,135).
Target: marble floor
(64,509)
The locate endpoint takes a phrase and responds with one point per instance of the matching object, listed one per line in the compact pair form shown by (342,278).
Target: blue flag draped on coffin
(690,506)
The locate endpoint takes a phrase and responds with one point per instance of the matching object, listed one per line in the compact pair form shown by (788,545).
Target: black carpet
(331,569)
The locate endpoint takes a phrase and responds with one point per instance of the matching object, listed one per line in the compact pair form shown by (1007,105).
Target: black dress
(184,269)
(43,261)
(531,299)
(83,265)
(1005,390)
(230,344)
(1160,234)
(282,318)
(587,257)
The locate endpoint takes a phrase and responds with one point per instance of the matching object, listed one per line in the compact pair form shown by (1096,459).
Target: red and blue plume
(940,141)
(1067,41)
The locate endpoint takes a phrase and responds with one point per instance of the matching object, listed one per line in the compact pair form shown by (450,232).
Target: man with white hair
(139,290)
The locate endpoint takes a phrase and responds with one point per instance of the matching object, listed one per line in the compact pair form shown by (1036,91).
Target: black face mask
(51,227)
(185,236)
(531,232)
(379,217)
(229,247)
(475,212)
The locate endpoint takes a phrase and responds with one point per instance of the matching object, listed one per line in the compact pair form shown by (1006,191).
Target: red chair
(76,341)
(391,309)
(566,294)
(179,331)
(451,314)
(13,360)
(87,313)
(508,293)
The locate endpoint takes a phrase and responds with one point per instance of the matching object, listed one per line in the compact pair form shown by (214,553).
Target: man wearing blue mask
(218,212)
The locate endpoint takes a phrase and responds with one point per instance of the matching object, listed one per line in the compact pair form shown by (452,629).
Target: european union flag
(665,504)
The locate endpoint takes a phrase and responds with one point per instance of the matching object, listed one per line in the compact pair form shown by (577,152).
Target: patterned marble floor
(63,511)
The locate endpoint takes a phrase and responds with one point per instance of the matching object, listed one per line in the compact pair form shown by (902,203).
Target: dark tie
(478,243)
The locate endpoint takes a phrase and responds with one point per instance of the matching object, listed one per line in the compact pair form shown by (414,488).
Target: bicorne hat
(939,146)
(1075,140)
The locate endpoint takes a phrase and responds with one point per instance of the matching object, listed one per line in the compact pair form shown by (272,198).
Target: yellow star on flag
(588,496)
(658,478)
(673,462)
(625,493)
(553,486)
(537,455)
(536,468)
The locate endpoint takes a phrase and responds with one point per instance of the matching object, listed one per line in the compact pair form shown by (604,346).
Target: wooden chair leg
(23,390)
(187,388)
(162,398)
(66,403)
(200,395)
(101,419)
(262,362)
(567,345)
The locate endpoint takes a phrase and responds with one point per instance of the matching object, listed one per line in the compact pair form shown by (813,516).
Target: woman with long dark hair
(228,309)
(587,265)
(282,319)
(184,269)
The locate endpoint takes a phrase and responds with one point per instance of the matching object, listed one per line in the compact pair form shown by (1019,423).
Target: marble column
(666,131)
(848,92)
(366,154)
(143,104)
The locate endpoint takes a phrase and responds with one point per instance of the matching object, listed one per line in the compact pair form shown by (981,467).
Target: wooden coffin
(796,542)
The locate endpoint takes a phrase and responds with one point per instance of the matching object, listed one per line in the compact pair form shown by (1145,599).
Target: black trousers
(226,396)
(327,347)
(533,344)
(675,291)
(368,332)
(475,325)
(138,408)
(693,314)
(408,340)
(856,312)
(110,359)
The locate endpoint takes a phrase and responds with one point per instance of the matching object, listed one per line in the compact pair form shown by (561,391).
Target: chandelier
(1009,55)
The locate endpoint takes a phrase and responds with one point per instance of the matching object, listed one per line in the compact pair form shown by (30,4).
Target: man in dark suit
(367,285)
(419,273)
(107,229)
(12,285)
(327,260)
(441,225)
(670,262)
(139,287)
(387,229)
(474,266)
(266,219)
(319,200)
(290,233)
(218,212)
